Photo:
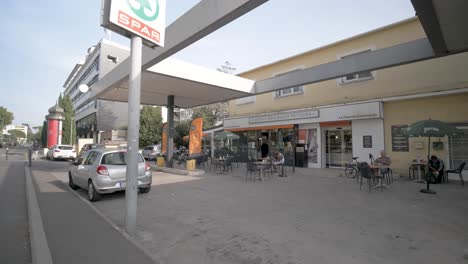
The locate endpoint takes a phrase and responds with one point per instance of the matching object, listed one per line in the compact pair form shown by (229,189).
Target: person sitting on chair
(384,160)
(278,159)
(436,170)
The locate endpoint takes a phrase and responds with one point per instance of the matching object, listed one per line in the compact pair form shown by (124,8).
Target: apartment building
(326,124)
(93,116)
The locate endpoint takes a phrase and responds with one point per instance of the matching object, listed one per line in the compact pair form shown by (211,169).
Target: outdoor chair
(366,173)
(413,170)
(458,171)
(388,176)
(228,164)
(252,170)
(213,163)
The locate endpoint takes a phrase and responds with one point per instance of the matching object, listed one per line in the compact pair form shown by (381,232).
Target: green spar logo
(144,4)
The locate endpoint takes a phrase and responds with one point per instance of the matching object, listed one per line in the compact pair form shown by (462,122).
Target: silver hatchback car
(102,171)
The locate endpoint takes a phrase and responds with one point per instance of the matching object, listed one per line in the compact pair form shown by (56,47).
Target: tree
(150,125)
(15,135)
(44,134)
(6,117)
(35,136)
(68,127)
(181,130)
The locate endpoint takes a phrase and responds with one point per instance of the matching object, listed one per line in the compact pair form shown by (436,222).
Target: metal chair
(458,171)
(252,170)
(366,173)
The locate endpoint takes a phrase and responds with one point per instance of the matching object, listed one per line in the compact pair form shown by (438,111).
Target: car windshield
(65,147)
(117,158)
(149,148)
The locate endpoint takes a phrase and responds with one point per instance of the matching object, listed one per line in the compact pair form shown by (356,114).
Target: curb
(112,224)
(40,252)
(196,172)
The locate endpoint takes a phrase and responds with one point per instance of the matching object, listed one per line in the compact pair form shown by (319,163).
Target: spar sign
(145,18)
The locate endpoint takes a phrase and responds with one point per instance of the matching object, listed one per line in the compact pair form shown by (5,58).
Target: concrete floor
(313,216)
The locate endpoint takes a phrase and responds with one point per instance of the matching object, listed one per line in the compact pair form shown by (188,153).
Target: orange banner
(196,130)
(164,138)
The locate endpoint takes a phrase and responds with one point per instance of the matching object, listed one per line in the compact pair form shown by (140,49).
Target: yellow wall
(451,108)
(439,74)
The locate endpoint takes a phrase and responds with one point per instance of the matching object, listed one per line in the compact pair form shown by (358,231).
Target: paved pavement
(75,233)
(313,216)
(14,238)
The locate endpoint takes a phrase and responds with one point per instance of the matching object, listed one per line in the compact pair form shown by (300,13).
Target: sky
(42,40)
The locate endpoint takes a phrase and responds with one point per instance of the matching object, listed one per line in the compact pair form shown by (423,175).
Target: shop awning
(258,128)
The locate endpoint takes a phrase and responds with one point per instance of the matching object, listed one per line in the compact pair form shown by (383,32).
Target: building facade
(93,116)
(328,123)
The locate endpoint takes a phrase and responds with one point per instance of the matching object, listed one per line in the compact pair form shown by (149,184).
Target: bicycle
(351,169)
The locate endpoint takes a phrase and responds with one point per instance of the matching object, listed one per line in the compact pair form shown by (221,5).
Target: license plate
(121,184)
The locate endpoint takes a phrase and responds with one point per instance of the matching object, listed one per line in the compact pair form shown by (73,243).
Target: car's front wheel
(70,182)
(145,189)
(93,195)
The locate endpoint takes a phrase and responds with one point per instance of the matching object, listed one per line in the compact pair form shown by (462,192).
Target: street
(14,241)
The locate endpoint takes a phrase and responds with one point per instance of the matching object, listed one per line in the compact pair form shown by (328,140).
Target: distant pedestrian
(35,149)
(6,155)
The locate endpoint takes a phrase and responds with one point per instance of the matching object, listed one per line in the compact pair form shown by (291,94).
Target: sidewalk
(75,233)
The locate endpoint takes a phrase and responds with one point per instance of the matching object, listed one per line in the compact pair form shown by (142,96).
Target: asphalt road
(14,238)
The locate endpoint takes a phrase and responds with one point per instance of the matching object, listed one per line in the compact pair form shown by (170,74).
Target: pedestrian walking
(35,149)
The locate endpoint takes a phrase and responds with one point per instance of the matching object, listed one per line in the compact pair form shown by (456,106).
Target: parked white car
(61,152)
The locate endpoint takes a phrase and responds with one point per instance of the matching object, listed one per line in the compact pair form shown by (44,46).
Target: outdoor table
(419,164)
(377,167)
(261,164)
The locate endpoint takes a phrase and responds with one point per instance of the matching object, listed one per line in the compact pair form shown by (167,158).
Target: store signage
(145,18)
(300,114)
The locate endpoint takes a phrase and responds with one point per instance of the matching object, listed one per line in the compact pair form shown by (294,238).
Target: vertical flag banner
(164,139)
(195,141)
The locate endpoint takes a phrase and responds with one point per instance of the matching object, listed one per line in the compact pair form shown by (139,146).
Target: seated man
(436,170)
(278,159)
(384,160)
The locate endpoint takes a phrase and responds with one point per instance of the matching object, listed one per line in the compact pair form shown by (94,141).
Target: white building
(94,116)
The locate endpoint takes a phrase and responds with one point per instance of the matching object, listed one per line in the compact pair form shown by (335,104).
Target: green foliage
(35,136)
(180,130)
(208,114)
(150,126)
(68,124)
(6,117)
(16,134)
(44,134)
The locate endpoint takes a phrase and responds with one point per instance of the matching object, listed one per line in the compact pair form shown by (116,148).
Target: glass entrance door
(339,147)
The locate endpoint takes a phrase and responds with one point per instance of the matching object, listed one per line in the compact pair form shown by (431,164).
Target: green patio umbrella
(225,135)
(431,128)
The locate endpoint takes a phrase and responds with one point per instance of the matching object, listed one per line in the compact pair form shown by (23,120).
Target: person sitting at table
(278,159)
(384,160)
(436,170)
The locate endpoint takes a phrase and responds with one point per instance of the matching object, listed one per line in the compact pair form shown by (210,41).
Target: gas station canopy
(191,85)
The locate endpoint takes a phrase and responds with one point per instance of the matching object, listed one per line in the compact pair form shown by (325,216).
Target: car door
(75,169)
(83,170)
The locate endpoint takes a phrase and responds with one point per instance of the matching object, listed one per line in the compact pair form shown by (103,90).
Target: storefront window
(312,145)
